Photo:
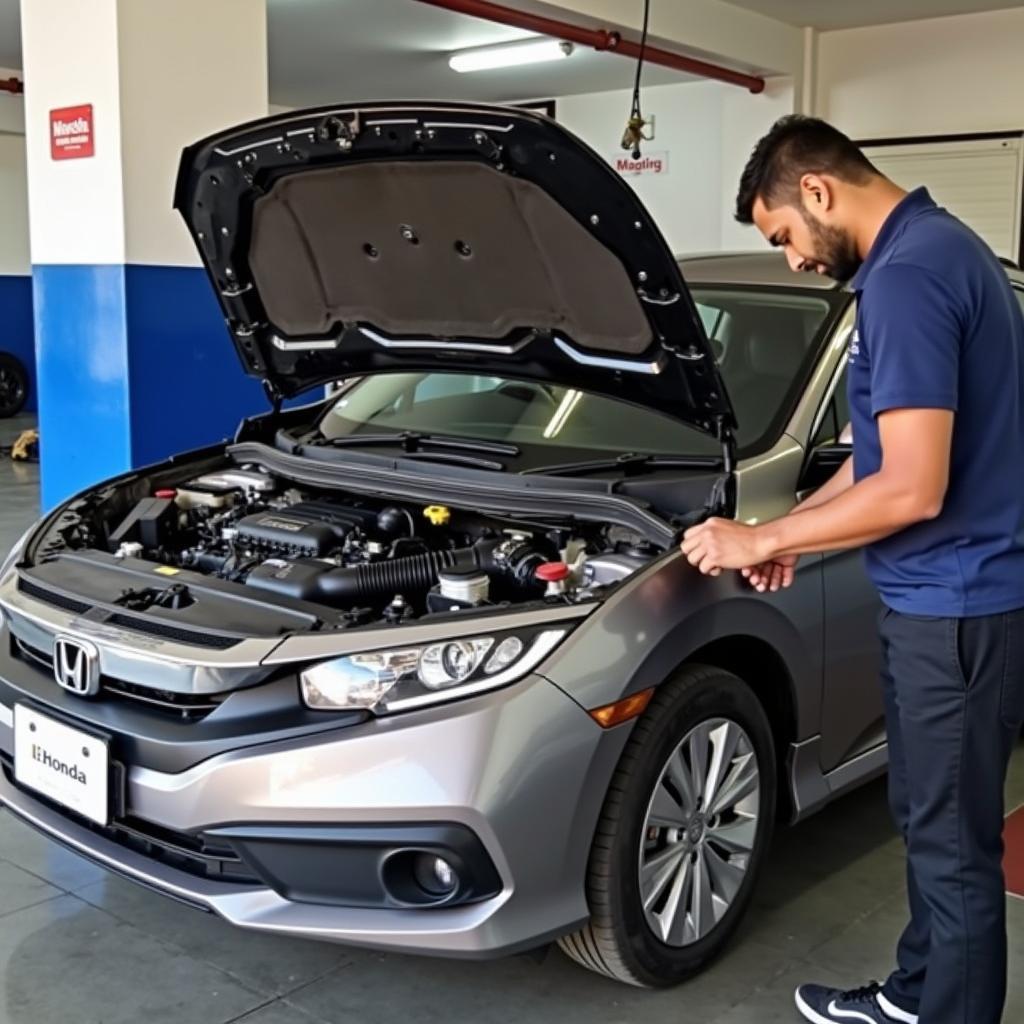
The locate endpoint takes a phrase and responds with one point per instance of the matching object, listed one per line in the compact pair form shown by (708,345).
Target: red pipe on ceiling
(12,85)
(599,39)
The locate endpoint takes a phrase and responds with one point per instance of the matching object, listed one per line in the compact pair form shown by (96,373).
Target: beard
(834,248)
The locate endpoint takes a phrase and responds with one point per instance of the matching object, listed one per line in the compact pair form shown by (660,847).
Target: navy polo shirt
(939,327)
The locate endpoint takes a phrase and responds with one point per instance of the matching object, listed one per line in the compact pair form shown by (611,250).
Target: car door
(852,711)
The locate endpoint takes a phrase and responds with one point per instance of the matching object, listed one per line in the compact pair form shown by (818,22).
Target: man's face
(809,243)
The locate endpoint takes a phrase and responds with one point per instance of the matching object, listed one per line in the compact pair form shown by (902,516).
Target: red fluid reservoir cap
(553,572)
(165,492)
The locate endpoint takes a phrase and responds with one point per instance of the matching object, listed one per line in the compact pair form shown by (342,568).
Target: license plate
(67,765)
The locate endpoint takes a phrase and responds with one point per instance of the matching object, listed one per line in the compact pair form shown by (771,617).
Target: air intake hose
(416,574)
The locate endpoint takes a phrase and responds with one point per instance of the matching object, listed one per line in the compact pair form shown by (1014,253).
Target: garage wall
(12,108)
(707,131)
(934,77)
(16,334)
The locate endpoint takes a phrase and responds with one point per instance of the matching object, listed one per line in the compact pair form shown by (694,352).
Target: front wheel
(682,834)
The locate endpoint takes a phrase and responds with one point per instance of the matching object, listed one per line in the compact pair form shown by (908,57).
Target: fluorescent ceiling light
(511,55)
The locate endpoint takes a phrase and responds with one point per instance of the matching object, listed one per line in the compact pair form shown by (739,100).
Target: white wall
(708,130)
(12,108)
(745,119)
(14,257)
(125,57)
(163,109)
(940,76)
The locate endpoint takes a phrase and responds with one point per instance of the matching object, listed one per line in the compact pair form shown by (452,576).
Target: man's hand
(775,575)
(719,544)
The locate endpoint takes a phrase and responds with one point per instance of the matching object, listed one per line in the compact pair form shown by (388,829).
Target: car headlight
(412,677)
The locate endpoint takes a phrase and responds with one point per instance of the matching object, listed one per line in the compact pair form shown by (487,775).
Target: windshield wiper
(413,441)
(629,463)
(451,459)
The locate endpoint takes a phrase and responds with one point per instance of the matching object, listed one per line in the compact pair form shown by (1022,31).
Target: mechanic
(935,492)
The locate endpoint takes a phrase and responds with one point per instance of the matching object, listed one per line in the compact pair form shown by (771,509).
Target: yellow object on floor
(26,446)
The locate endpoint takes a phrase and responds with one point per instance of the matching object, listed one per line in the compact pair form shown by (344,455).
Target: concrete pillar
(134,360)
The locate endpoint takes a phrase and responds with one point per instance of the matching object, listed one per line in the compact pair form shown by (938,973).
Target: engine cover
(309,528)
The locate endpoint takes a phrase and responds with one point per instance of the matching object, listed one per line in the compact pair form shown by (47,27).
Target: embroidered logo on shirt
(854,346)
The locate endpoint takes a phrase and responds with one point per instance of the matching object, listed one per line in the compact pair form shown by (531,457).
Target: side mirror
(821,465)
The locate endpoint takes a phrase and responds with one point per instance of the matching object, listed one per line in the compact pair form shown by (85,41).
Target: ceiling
(833,14)
(326,50)
(322,51)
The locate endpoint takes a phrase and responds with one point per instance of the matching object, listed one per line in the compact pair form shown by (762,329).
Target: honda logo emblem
(76,666)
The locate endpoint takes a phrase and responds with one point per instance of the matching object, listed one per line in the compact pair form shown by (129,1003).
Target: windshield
(765,341)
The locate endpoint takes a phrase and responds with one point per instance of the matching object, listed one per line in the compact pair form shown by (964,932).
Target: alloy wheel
(699,833)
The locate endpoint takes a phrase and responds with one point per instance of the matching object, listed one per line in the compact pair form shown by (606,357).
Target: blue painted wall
(135,364)
(16,333)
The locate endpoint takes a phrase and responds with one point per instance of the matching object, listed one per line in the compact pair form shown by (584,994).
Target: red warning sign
(71,134)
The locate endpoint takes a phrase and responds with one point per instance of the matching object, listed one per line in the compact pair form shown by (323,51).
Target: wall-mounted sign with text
(71,133)
(646,163)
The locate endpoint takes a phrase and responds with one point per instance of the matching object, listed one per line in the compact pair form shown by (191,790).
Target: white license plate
(68,766)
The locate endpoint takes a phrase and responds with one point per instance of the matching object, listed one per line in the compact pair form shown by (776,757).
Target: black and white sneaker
(866,1005)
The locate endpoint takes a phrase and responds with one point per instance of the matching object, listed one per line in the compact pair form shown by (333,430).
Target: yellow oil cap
(439,515)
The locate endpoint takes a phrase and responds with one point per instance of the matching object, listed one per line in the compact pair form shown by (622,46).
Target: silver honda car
(419,666)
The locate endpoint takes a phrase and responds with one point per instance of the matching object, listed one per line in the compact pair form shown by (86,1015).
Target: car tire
(13,385)
(702,708)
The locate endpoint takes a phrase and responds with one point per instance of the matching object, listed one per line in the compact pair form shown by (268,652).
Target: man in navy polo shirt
(935,492)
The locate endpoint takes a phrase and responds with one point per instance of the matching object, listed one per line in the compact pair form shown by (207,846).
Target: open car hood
(411,236)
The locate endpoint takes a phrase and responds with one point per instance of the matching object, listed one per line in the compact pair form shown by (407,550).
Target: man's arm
(909,488)
(915,326)
(841,480)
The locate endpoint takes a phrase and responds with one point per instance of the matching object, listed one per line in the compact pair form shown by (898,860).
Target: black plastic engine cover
(310,528)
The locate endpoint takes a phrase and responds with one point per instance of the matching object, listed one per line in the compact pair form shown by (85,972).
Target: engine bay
(368,558)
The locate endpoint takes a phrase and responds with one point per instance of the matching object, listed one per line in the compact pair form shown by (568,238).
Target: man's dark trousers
(954,695)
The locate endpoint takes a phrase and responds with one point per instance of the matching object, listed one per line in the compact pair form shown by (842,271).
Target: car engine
(394,561)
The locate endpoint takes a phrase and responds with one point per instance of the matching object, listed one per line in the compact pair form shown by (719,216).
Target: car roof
(750,268)
(769,268)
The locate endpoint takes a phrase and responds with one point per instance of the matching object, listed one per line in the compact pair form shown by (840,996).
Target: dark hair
(795,146)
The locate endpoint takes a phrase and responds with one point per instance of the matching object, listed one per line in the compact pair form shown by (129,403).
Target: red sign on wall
(71,135)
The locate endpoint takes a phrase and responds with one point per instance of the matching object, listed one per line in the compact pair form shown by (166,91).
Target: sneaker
(822,1005)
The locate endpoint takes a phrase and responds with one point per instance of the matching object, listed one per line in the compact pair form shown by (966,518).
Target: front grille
(187,706)
(194,854)
(69,604)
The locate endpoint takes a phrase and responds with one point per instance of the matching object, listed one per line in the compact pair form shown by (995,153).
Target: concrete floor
(79,945)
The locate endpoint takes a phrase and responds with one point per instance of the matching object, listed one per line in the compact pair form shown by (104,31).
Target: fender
(658,619)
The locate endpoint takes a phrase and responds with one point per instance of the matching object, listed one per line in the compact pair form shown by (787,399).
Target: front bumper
(524,770)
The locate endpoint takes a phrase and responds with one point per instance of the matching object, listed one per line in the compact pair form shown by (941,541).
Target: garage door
(980,180)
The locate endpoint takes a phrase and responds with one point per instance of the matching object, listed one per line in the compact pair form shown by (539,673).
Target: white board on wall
(981,181)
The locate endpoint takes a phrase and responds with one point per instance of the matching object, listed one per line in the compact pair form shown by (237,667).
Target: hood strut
(727,439)
(274,396)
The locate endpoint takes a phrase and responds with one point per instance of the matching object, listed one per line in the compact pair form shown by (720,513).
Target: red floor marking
(1014,860)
